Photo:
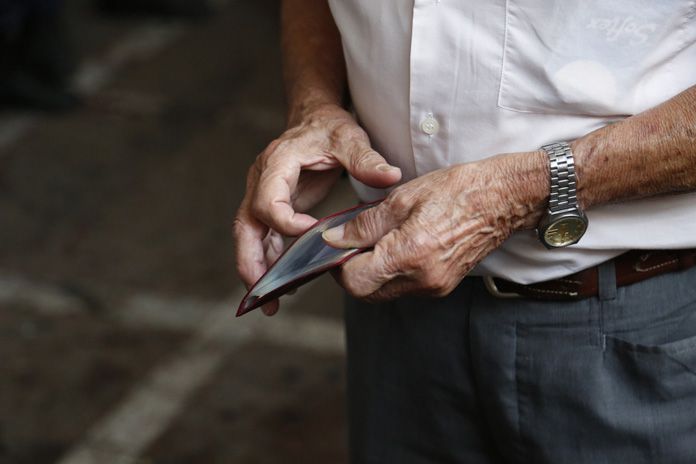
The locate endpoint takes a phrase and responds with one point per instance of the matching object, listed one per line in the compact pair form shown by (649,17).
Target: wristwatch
(564,222)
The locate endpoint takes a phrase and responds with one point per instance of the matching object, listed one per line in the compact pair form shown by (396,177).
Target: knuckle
(442,291)
(416,253)
(254,173)
(363,226)
(392,263)
(238,226)
(428,282)
(435,282)
(266,213)
(421,241)
(243,222)
(361,159)
(257,207)
(348,131)
(355,290)
(278,148)
(274,215)
(272,147)
(398,200)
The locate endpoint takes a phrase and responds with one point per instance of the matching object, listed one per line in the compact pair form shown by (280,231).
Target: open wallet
(306,258)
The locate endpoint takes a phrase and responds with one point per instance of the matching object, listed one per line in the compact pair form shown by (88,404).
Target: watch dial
(565,231)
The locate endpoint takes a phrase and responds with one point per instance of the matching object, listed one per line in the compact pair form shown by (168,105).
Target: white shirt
(441,82)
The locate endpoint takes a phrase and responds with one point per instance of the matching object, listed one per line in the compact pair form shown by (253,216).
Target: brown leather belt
(631,267)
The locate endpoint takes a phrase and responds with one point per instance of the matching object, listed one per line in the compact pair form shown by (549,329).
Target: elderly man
(530,295)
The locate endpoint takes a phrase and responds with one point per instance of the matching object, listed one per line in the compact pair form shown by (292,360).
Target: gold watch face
(565,231)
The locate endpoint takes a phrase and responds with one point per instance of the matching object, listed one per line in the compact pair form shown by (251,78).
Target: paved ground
(117,289)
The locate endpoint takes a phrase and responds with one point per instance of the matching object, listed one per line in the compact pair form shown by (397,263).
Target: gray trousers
(471,378)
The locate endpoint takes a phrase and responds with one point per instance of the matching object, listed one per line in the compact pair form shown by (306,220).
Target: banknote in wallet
(306,258)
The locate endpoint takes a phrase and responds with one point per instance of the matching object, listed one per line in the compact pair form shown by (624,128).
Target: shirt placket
(428,87)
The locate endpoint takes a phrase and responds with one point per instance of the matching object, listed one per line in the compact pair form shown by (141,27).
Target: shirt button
(429,125)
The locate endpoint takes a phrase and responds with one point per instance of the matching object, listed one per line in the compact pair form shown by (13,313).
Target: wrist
(526,187)
(311,107)
(588,148)
(326,118)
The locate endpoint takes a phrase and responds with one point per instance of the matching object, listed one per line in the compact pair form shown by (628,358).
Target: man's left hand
(430,232)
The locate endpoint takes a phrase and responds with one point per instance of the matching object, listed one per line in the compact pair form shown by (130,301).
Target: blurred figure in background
(36,61)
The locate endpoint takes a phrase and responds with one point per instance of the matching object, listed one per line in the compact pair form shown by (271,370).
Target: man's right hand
(293,174)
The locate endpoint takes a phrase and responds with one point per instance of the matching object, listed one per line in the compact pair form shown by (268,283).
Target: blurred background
(126,128)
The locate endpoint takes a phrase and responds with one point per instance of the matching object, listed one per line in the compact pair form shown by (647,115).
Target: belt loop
(607,280)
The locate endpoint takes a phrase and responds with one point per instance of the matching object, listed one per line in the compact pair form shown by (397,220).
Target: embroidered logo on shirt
(625,28)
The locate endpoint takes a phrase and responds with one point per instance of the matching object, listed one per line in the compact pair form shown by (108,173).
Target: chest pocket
(595,57)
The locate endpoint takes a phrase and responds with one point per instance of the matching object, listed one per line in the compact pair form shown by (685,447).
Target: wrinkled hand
(430,232)
(292,175)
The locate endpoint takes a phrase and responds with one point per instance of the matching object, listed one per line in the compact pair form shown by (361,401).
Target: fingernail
(387,168)
(335,234)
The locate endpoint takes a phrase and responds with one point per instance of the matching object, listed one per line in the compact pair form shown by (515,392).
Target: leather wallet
(306,258)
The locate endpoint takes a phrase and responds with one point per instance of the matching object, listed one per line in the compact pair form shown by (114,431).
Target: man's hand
(430,232)
(297,170)
(293,174)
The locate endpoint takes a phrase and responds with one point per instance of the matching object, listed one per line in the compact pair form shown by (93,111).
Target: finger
(367,228)
(396,288)
(249,250)
(272,202)
(271,308)
(364,274)
(273,247)
(365,164)
(399,286)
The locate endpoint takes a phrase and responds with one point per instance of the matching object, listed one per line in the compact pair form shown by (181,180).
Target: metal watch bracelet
(563,183)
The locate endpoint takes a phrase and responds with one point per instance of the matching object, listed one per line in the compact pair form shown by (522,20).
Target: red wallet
(306,258)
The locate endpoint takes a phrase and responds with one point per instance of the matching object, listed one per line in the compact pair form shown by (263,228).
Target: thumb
(365,229)
(369,167)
